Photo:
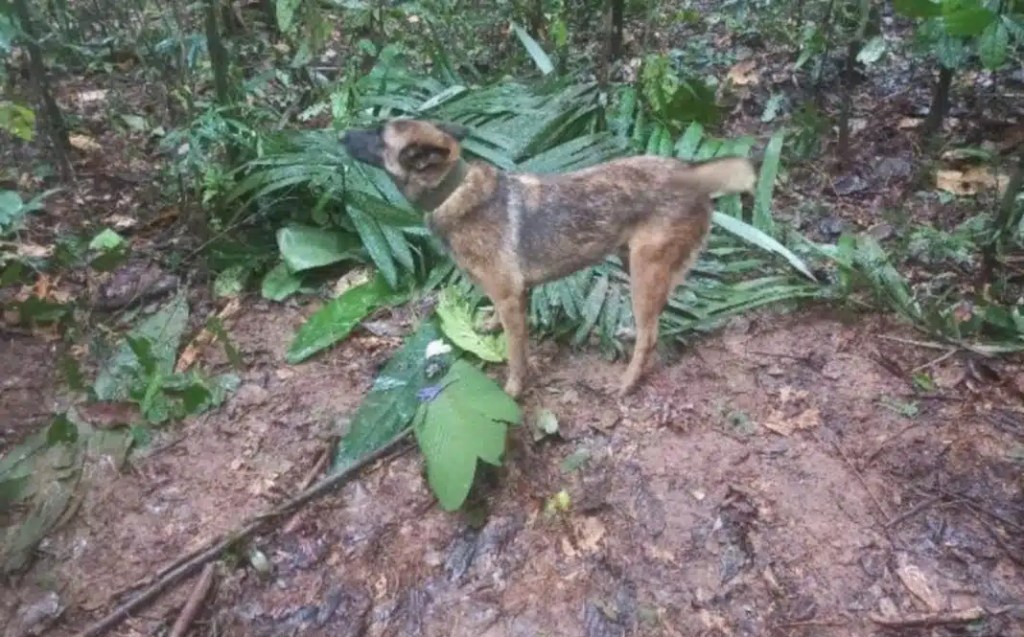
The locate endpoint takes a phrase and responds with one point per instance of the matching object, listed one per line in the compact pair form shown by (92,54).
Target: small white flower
(436,348)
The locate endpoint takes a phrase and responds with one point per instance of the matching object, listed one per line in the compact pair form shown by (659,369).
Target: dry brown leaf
(86,97)
(589,532)
(780,424)
(34,250)
(84,143)
(970,181)
(743,73)
(109,414)
(41,289)
(191,352)
(121,222)
(917,583)
(352,278)
(909,122)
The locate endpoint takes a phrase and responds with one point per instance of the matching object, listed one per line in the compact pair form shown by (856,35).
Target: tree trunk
(940,104)
(52,120)
(218,54)
(615,34)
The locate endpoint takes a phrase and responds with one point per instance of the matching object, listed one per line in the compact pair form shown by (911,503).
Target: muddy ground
(777,479)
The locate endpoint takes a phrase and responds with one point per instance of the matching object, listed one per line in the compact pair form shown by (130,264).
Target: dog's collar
(431,200)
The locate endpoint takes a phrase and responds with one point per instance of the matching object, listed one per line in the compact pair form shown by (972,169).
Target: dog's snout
(364,145)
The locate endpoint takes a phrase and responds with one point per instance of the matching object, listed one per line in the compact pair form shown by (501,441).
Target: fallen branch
(194,603)
(189,564)
(925,620)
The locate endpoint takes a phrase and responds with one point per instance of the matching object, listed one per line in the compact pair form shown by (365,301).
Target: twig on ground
(881,446)
(914,510)
(935,361)
(863,483)
(910,341)
(188,564)
(318,467)
(925,620)
(194,603)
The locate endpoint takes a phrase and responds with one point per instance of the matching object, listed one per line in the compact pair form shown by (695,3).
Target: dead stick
(188,566)
(937,619)
(194,603)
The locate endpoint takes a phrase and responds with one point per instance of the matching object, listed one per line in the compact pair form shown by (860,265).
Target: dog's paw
(514,387)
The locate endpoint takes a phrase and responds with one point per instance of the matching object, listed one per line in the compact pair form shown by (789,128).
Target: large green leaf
(336,319)
(466,421)
(918,8)
(457,324)
(392,402)
(752,235)
(307,247)
(766,183)
(540,58)
(160,335)
(994,45)
(279,283)
(966,21)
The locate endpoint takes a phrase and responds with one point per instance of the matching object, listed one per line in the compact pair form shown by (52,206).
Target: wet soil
(777,479)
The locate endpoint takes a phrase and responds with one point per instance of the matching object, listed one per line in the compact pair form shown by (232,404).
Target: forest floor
(781,477)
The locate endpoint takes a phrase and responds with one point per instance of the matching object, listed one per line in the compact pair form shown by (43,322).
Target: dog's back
(564,222)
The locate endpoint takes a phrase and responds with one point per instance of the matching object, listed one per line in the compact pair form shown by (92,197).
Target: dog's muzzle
(364,145)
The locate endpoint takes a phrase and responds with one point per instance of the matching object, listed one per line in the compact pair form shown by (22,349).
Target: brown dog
(512,231)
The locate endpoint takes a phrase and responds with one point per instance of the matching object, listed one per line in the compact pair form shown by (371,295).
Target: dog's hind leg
(658,261)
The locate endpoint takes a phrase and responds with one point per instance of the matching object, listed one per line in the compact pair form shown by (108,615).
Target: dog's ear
(420,157)
(458,131)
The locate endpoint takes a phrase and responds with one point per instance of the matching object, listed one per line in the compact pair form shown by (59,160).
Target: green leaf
(106,240)
(766,183)
(286,13)
(231,281)
(686,148)
(391,403)
(872,51)
(917,8)
(540,58)
(752,235)
(376,245)
(18,120)
(966,22)
(457,324)
(163,331)
(335,320)
(279,283)
(464,423)
(61,430)
(994,45)
(307,247)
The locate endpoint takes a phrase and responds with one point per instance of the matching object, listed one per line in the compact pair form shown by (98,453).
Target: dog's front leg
(511,309)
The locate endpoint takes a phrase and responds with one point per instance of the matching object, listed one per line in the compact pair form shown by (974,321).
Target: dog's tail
(725,176)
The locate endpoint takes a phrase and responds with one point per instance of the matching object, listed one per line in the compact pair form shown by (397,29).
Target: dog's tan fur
(512,231)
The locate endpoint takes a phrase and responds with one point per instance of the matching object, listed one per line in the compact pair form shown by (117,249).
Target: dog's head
(417,154)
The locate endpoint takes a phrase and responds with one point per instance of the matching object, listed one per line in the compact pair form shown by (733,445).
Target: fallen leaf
(34,250)
(85,97)
(205,337)
(743,73)
(589,531)
(917,583)
(780,424)
(121,222)
(84,143)
(909,122)
(352,278)
(970,181)
(42,286)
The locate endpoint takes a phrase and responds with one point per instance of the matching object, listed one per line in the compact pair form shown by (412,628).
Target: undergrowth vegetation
(244,135)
